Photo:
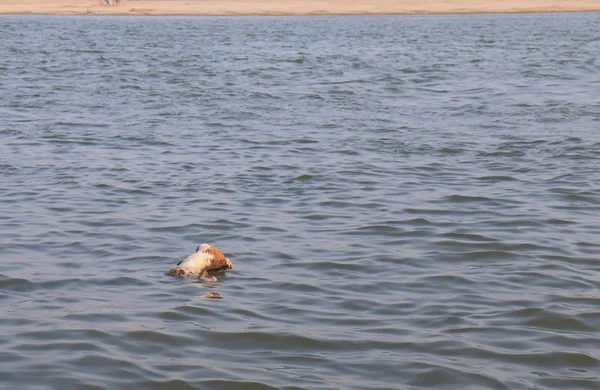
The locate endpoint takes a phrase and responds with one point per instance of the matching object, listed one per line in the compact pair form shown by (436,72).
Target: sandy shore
(292,7)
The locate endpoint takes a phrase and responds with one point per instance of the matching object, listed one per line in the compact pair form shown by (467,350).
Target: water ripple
(408,202)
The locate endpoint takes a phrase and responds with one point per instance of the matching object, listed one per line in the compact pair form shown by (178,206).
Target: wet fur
(205,261)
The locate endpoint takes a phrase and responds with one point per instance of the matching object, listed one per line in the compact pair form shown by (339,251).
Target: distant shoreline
(292,7)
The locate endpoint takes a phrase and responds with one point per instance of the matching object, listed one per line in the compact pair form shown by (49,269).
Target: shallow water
(408,202)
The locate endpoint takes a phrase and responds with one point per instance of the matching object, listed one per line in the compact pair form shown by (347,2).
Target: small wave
(465,199)
(499,178)
(15,285)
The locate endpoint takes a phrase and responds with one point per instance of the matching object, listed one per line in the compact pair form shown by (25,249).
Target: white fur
(202,247)
(197,262)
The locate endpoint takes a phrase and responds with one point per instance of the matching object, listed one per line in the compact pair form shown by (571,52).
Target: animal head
(216,254)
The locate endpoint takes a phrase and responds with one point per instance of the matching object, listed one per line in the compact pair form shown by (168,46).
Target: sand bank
(292,7)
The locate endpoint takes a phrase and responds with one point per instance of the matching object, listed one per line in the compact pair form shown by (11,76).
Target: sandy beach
(291,7)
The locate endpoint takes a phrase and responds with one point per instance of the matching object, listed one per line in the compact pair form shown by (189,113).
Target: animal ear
(198,248)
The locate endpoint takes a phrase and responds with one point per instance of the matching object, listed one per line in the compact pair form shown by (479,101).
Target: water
(408,202)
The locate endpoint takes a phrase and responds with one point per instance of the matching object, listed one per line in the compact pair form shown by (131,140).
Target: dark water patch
(568,380)
(497,178)
(428,376)
(15,285)
(576,260)
(458,237)
(323,264)
(191,310)
(85,282)
(222,384)
(153,339)
(65,346)
(547,319)
(465,199)
(484,255)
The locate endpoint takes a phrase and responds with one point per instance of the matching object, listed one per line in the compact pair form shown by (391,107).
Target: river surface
(409,202)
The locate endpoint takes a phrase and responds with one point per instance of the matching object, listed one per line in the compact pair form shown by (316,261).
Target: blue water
(409,202)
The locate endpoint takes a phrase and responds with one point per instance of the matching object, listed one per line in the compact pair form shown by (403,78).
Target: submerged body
(206,260)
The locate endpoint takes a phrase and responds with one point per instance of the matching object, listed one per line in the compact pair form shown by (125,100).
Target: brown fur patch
(218,261)
(217,254)
(177,272)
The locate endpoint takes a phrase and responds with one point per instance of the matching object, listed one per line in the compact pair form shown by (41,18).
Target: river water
(409,202)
